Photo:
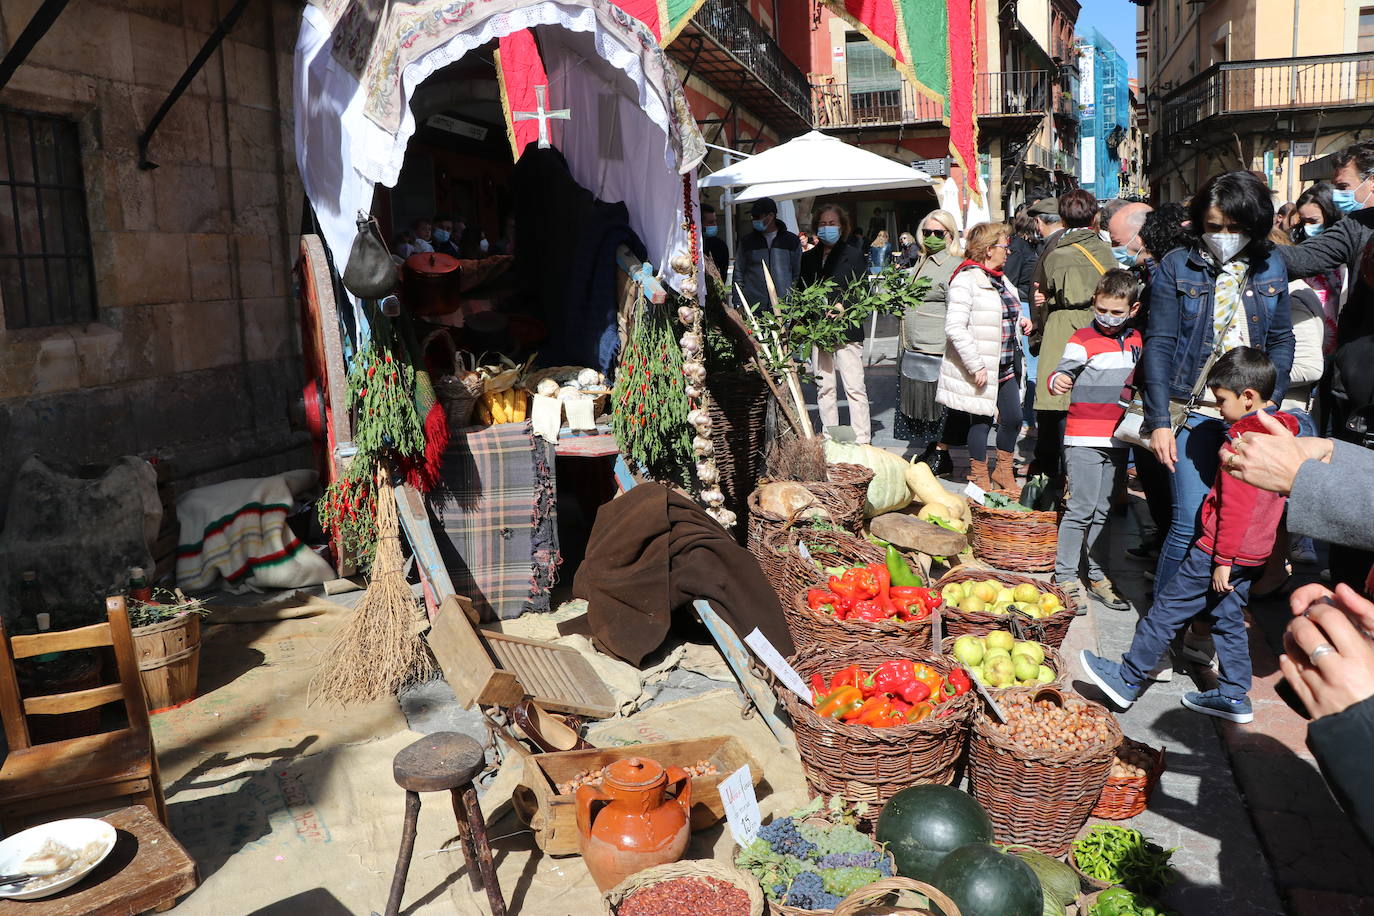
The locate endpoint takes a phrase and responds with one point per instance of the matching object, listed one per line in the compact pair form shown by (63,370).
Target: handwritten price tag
(741,805)
(768,654)
(976,493)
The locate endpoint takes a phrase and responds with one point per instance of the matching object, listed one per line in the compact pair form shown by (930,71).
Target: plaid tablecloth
(496,509)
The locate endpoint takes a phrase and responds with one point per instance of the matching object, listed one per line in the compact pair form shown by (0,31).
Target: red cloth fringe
(424,477)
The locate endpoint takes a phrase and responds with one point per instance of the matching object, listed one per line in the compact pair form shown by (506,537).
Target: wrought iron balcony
(724,45)
(1267,86)
(1066,162)
(1016,93)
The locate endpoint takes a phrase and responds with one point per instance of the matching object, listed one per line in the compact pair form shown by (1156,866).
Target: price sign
(769,655)
(975,493)
(741,805)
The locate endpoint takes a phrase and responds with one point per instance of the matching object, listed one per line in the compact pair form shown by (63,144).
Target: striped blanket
(237,531)
(496,507)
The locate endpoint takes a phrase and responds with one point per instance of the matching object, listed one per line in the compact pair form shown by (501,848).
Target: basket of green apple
(1000,660)
(978,601)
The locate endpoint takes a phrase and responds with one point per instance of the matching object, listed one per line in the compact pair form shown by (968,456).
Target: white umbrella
(815,164)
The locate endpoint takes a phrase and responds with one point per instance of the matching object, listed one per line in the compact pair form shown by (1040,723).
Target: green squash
(985,882)
(923,824)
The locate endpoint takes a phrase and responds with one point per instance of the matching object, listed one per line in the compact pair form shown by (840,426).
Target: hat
(763,205)
(1045,206)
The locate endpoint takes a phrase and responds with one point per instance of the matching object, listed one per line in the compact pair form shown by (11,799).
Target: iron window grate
(46,273)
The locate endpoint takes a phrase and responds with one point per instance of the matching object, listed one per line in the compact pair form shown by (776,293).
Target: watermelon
(986,882)
(923,824)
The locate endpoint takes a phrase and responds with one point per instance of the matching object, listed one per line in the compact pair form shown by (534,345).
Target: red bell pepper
(818,599)
(868,610)
(915,692)
(864,581)
(869,704)
(843,587)
(819,687)
(847,677)
(960,680)
(884,579)
(931,678)
(906,592)
(877,712)
(892,676)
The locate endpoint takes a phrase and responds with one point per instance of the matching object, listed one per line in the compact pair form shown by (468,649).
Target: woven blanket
(237,530)
(496,508)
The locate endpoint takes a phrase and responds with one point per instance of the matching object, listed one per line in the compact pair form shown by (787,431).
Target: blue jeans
(1188,594)
(1028,402)
(1199,442)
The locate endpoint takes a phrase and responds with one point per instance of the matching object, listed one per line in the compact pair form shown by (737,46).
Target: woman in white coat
(980,379)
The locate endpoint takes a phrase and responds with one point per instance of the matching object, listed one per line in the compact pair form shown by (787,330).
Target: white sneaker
(1303,551)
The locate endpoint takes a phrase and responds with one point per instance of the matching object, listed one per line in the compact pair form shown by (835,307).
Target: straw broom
(379,651)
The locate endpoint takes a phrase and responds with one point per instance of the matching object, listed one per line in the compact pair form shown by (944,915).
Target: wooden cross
(542,115)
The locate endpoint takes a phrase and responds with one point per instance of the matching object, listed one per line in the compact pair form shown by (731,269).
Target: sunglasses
(929,233)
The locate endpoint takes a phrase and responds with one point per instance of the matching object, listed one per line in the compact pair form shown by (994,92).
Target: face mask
(439,235)
(1124,256)
(1110,322)
(484,246)
(758,225)
(710,231)
(828,234)
(933,243)
(1225,245)
(1313,229)
(1105,236)
(1344,198)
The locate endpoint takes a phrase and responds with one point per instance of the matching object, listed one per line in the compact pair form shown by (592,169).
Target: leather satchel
(371,272)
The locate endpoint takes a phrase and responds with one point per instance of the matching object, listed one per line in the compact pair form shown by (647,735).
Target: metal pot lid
(431,264)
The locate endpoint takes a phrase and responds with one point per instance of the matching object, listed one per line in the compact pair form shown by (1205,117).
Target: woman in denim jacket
(1228,285)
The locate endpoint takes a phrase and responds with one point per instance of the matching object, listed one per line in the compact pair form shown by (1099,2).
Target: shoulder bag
(1131,428)
(370,273)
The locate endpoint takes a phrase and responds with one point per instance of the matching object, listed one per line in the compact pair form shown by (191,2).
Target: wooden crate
(553,817)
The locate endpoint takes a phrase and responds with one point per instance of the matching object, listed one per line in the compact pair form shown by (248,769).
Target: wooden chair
(84,772)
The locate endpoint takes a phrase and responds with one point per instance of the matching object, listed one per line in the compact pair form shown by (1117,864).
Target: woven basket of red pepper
(1049,630)
(886,717)
(1039,774)
(864,604)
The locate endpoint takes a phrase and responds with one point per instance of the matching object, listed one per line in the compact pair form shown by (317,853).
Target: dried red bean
(686,897)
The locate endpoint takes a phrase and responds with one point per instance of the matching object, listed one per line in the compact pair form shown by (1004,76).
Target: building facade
(1105,102)
(147,310)
(1269,85)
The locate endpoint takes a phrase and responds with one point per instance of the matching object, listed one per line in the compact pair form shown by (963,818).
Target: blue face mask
(1124,256)
(758,225)
(710,231)
(1313,229)
(439,235)
(1344,198)
(828,234)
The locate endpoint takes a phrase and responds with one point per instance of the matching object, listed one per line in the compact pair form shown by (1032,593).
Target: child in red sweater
(1236,538)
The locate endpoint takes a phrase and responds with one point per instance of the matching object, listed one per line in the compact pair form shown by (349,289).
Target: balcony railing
(1040,156)
(1066,162)
(729,25)
(1005,94)
(1240,87)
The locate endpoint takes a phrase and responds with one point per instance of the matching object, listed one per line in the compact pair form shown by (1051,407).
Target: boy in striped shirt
(1098,361)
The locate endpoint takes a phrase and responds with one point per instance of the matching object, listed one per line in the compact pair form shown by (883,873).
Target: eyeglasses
(1001,245)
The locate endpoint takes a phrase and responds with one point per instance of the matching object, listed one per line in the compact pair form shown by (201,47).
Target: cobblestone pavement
(1257,830)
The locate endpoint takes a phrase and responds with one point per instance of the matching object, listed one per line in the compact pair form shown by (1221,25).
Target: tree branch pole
(790,371)
(732,315)
(778,357)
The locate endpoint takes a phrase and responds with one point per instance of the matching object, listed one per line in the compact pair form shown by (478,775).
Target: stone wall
(194,353)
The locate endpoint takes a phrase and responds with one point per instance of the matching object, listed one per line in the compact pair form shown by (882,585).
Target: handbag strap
(1089,255)
(1201,384)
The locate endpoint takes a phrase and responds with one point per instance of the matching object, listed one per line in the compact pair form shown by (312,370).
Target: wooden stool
(438,762)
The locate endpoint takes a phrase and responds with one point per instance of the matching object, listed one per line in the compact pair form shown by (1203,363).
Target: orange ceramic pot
(631,822)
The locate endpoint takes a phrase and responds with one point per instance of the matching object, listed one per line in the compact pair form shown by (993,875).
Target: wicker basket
(873,764)
(791,574)
(865,899)
(1053,660)
(459,399)
(738,407)
(700,868)
(841,494)
(812,630)
(1125,797)
(1017,541)
(1049,630)
(1038,798)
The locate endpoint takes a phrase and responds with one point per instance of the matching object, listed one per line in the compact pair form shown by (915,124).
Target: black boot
(940,463)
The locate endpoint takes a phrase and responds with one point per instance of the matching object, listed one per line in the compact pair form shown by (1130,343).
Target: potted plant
(166,634)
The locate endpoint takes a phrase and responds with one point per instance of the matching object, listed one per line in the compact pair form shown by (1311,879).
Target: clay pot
(631,822)
(429,283)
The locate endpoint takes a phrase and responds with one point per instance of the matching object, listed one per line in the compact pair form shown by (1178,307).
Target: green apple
(1023,667)
(1027,592)
(999,672)
(986,593)
(952,594)
(1044,674)
(1050,602)
(1030,610)
(1000,639)
(973,604)
(969,649)
(990,654)
(1005,596)
(1031,650)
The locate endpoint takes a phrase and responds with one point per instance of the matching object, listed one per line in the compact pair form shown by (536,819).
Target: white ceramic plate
(75,833)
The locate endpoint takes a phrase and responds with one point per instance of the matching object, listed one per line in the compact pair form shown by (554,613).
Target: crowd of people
(1220,349)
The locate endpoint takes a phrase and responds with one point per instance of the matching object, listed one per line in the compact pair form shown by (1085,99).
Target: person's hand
(1038,296)
(1329,662)
(1165,447)
(1270,460)
(1060,383)
(1027,325)
(1221,580)
(980,378)
(1308,595)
